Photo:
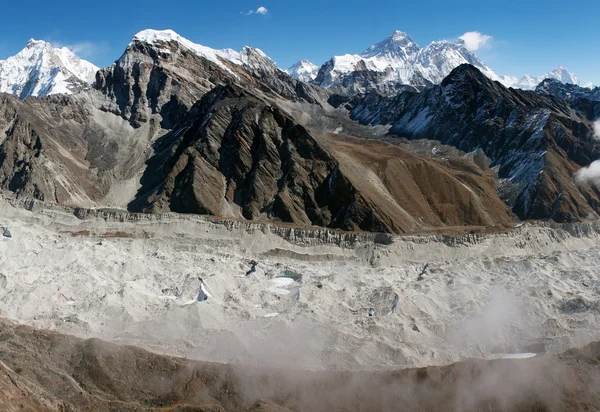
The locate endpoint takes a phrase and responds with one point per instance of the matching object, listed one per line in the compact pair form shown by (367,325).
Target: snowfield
(307,302)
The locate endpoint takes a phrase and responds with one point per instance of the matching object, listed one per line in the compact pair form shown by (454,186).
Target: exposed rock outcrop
(237,155)
(536,142)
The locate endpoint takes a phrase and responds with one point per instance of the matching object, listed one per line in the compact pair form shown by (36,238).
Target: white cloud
(263,11)
(591,174)
(84,49)
(474,40)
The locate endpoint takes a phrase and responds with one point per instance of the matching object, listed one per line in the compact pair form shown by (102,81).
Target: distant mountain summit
(303,70)
(397,60)
(399,46)
(561,73)
(40,70)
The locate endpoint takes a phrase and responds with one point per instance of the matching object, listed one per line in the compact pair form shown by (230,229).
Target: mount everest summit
(398,60)
(303,70)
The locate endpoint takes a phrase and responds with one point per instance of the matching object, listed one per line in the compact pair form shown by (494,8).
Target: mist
(591,173)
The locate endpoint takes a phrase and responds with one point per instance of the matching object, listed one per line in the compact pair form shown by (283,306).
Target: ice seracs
(40,70)
(303,70)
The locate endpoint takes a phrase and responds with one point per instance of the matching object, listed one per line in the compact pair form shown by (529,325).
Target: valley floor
(307,302)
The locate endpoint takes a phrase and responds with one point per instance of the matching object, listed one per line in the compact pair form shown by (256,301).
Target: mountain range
(398,60)
(388,66)
(561,73)
(177,126)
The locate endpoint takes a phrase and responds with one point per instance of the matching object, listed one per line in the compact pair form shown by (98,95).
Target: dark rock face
(538,143)
(236,151)
(237,155)
(566,91)
(147,80)
(42,149)
(169,79)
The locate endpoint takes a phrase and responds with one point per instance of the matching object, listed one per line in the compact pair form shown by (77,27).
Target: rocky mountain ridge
(566,91)
(176,126)
(537,143)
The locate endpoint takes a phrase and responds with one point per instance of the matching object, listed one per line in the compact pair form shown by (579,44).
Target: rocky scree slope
(537,143)
(43,150)
(238,155)
(43,370)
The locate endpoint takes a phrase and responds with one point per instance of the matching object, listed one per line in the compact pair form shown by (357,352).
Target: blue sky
(527,36)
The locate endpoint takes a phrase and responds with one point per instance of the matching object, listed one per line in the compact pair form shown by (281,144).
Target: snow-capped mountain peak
(398,60)
(156,37)
(397,46)
(33,43)
(303,70)
(561,73)
(438,59)
(40,69)
(249,56)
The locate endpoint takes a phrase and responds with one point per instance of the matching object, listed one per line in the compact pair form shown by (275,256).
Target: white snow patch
(280,285)
(516,355)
